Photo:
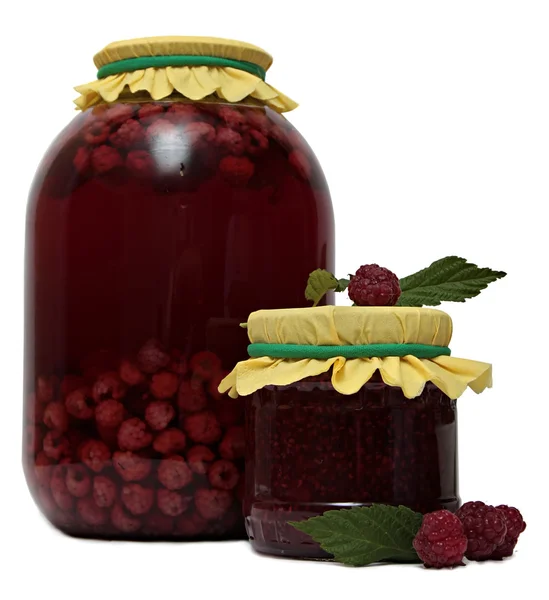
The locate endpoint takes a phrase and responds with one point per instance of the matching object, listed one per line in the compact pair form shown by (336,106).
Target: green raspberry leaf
(321,281)
(365,535)
(450,279)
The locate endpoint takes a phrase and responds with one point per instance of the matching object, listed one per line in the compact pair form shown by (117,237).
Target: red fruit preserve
(311,449)
(168,210)
(346,407)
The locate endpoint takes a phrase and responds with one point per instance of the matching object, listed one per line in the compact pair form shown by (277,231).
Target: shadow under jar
(153,229)
(311,449)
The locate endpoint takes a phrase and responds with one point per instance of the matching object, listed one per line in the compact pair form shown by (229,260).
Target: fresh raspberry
(191,396)
(71,383)
(484,527)
(79,403)
(152,357)
(202,427)
(59,490)
(373,285)
(108,385)
(256,143)
(199,459)
(237,170)
(109,414)
(133,435)
(190,525)
(223,475)
(164,385)
(233,444)
(128,134)
(55,417)
(78,481)
(172,503)
(170,441)
(205,365)
(212,504)
(96,133)
(200,133)
(159,414)
(230,141)
(148,112)
(130,374)
(105,158)
(140,163)
(515,526)
(118,113)
(160,128)
(440,541)
(45,389)
(56,445)
(299,161)
(95,455)
(158,524)
(82,159)
(233,118)
(90,513)
(42,469)
(174,473)
(123,521)
(104,491)
(137,499)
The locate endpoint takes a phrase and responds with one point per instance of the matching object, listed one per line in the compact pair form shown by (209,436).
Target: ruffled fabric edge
(194,83)
(451,375)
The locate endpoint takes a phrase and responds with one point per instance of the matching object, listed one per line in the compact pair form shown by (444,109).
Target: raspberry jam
(310,449)
(153,230)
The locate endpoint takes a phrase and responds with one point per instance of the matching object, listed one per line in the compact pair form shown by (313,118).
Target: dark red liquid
(172,222)
(310,449)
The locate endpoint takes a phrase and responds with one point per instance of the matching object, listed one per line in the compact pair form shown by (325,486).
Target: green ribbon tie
(358,351)
(128,65)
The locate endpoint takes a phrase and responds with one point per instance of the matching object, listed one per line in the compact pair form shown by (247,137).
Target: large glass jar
(310,449)
(347,406)
(154,228)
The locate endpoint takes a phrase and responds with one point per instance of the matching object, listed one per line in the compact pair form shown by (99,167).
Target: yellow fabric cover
(353,325)
(195,83)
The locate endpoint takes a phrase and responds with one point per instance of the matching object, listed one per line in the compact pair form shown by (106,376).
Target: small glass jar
(310,449)
(150,222)
(347,407)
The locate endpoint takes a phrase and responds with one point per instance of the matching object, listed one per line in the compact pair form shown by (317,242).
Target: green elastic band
(365,351)
(177,60)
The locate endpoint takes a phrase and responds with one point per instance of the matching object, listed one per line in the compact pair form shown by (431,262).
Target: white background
(431,120)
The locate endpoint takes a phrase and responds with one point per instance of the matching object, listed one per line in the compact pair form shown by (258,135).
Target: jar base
(270,533)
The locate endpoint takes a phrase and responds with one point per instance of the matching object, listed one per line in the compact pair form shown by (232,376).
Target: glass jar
(153,229)
(310,449)
(346,407)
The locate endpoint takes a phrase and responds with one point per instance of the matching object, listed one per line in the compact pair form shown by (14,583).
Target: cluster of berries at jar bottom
(138,448)
(232,138)
(477,531)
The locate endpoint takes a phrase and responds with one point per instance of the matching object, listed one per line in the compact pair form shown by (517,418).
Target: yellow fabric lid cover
(195,67)
(408,346)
